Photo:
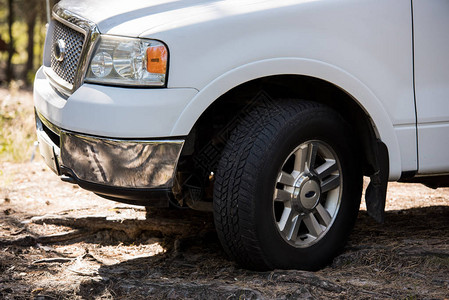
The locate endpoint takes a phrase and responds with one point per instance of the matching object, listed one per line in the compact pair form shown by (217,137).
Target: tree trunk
(31,24)
(9,67)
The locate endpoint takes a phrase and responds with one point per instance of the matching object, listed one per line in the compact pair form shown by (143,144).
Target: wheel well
(207,138)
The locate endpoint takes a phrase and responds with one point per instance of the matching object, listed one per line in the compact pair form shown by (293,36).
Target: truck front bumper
(133,171)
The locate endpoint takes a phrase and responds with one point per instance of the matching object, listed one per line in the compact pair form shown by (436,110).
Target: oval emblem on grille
(59,50)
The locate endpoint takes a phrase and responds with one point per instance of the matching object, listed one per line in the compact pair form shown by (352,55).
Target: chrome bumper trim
(121,163)
(41,118)
(128,164)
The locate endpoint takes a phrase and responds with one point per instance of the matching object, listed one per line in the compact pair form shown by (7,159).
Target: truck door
(431,49)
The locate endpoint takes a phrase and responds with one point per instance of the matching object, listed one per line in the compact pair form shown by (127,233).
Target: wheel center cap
(307,194)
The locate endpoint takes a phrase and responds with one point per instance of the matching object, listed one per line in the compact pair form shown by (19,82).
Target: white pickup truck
(268,113)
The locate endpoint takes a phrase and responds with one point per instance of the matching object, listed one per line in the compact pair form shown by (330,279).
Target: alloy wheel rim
(307,194)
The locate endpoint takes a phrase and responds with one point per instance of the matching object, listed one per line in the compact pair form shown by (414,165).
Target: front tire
(288,187)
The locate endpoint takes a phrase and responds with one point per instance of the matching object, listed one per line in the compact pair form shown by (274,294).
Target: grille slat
(74,41)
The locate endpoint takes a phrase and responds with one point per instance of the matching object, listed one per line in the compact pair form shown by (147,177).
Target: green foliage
(20,35)
(17,125)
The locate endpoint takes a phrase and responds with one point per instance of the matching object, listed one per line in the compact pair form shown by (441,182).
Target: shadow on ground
(177,255)
(407,257)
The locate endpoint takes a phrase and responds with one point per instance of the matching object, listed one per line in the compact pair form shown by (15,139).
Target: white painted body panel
(434,148)
(112,111)
(431,29)
(363,47)
(312,68)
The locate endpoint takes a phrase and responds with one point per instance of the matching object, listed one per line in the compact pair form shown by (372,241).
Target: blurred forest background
(22,37)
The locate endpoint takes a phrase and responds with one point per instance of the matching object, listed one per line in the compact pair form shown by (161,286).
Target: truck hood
(134,17)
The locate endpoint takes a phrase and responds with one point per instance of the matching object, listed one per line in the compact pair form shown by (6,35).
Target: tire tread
(239,164)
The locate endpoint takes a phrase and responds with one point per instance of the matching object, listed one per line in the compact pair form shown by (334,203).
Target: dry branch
(82,273)
(53,260)
(29,240)
(304,277)
(61,237)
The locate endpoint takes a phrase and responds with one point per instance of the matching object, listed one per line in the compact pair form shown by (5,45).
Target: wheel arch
(304,78)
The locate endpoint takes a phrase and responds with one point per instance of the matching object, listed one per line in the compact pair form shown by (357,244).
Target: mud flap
(376,192)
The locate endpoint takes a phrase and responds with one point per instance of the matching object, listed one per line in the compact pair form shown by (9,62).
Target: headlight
(128,61)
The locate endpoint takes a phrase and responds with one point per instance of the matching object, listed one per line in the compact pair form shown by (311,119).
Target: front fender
(296,66)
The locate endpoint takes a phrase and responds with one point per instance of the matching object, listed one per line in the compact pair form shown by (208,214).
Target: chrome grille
(74,40)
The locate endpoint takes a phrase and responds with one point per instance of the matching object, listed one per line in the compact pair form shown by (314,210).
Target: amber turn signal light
(157,59)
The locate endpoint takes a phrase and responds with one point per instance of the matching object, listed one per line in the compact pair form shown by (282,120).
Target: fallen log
(131,226)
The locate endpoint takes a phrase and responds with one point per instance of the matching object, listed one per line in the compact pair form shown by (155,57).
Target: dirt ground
(58,241)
